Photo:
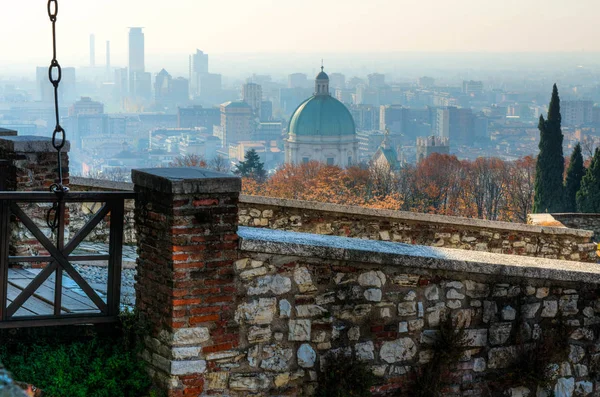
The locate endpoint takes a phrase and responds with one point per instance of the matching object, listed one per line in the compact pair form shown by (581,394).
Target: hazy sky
(313,26)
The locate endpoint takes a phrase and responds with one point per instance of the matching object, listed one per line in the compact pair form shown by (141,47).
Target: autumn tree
(520,189)
(575,173)
(251,167)
(588,196)
(550,164)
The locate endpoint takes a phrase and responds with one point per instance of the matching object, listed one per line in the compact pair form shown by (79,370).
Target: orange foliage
(487,188)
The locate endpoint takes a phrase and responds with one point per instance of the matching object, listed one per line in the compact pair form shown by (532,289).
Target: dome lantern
(322,82)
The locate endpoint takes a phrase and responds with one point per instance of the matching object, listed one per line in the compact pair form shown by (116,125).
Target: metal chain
(59,137)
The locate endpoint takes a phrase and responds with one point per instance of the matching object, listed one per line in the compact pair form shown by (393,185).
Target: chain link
(59,137)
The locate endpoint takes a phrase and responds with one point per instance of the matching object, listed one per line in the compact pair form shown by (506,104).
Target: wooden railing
(66,307)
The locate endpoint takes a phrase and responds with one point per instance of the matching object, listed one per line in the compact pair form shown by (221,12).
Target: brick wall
(32,166)
(186,222)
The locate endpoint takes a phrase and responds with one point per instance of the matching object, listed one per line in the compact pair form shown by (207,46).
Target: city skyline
(274,27)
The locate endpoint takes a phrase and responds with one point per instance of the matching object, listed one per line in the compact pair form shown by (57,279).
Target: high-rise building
(198,67)
(162,86)
(456,124)
(390,118)
(67,90)
(472,87)
(136,59)
(337,80)
(142,85)
(266,111)
(236,122)
(576,113)
(426,82)
(297,80)
(431,144)
(376,80)
(92,50)
(252,95)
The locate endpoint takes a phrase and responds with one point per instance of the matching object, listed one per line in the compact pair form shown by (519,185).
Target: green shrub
(98,366)
(344,377)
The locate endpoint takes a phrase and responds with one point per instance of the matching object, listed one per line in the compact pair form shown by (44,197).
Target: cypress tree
(588,196)
(251,167)
(551,162)
(575,173)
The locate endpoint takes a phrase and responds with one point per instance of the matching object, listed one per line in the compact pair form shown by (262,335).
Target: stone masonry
(32,167)
(304,297)
(186,222)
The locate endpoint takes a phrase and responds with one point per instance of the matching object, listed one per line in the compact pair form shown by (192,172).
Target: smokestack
(92,50)
(108,56)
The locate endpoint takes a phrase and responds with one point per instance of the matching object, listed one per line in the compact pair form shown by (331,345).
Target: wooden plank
(71,302)
(49,321)
(19,273)
(73,295)
(32,304)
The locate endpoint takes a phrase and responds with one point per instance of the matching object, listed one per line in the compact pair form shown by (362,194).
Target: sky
(322,27)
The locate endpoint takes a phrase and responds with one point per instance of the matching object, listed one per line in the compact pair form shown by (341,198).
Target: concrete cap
(414,256)
(30,144)
(186,180)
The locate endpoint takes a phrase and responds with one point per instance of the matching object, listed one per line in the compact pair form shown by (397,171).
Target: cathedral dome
(322,115)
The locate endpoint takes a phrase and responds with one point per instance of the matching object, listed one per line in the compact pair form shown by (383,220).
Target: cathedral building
(322,129)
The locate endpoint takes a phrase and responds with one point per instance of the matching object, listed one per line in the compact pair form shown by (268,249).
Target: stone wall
(581,221)
(302,297)
(417,228)
(400,226)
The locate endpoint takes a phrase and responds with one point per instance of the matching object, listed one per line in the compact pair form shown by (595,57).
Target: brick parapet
(32,166)
(186,223)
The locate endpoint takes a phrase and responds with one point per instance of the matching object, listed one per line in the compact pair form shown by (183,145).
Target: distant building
(426,82)
(266,111)
(86,106)
(366,117)
(137,63)
(431,144)
(169,92)
(236,122)
(268,131)
(209,88)
(297,80)
(386,157)
(198,66)
(576,113)
(252,95)
(67,90)
(92,50)
(337,80)
(322,129)
(455,124)
(391,118)
(142,85)
(376,80)
(197,116)
(472,87)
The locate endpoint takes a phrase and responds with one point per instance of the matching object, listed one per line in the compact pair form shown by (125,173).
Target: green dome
(322,115)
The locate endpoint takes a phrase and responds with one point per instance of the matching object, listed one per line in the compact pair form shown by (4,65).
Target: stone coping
(414,256)
(30,144)
(186,180)
(576,214)
(100,184)
(412,217)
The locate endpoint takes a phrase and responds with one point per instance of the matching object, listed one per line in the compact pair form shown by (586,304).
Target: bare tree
(189,160)
(219,164)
